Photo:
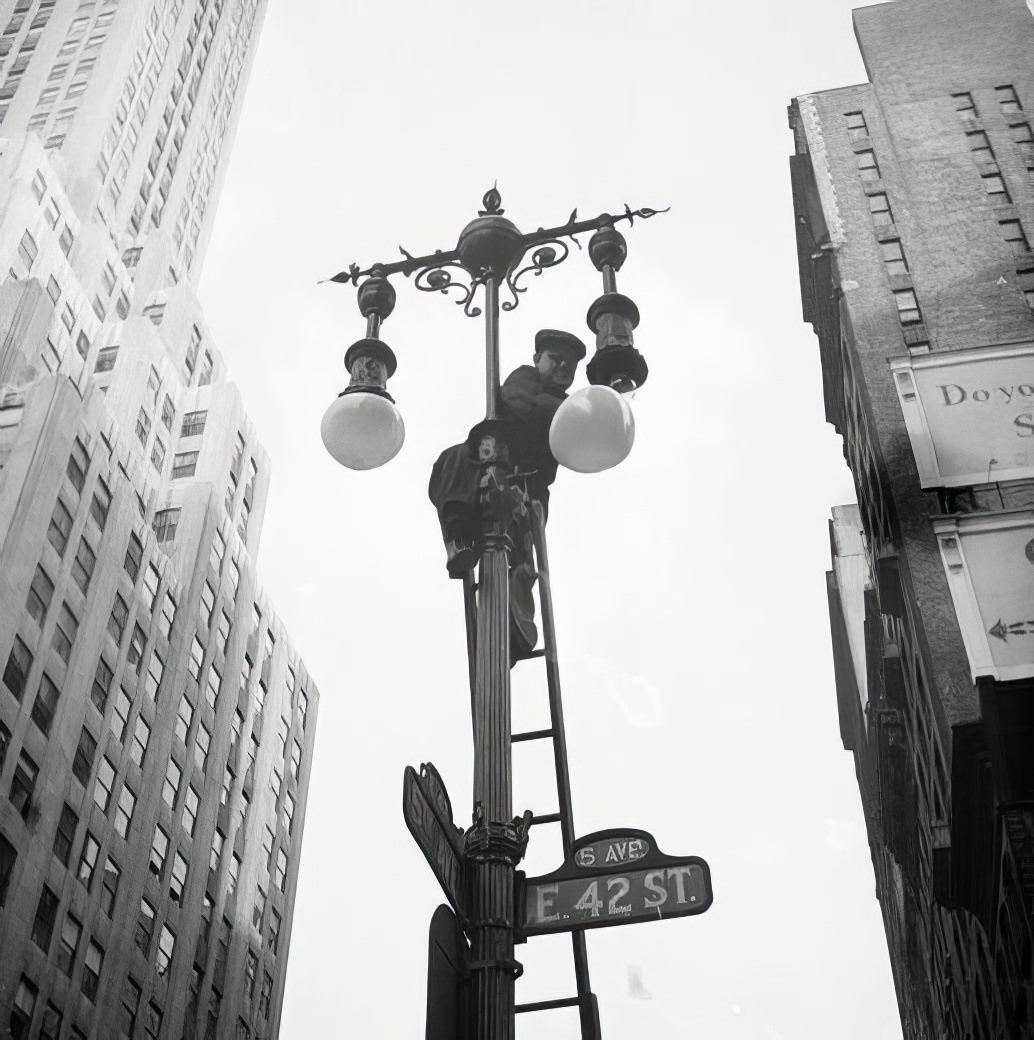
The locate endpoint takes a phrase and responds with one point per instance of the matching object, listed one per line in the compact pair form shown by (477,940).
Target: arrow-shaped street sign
(428,814)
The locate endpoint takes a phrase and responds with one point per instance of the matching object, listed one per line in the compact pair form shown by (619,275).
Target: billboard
(989,562)
(969,414)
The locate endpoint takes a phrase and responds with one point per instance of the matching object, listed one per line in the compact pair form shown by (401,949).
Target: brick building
(914,208)
(156,723)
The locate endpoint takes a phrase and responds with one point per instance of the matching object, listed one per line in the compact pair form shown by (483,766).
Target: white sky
(688,582)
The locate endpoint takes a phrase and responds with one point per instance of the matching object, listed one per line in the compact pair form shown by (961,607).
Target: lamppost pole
(494,844)
(362,429)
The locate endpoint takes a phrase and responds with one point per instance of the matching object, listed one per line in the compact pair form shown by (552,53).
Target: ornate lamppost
(592,430)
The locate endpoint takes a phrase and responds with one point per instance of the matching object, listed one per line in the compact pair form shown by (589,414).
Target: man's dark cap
(564,342)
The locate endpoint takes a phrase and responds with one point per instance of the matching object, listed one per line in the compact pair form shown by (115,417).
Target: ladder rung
(547,1005)
(531,734)
(553,817)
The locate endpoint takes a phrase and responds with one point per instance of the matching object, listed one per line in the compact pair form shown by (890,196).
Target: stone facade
(156,723)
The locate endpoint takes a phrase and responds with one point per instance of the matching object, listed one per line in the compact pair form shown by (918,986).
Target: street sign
(428,814)
(446,969)
(613,877)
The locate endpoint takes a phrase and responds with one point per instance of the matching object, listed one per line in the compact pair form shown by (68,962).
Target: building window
(153,1017)
(129,1007)
(40,592)
(43,925)
(82,566)
(101,685)
(141,735)
(68,947)
(60,527)
(78,465)
(178,877)
(82,764)
(159,851)
(68,318)
(168,616)
(118,618)
(93,963)
(168,412)
(143,426)
(88,860)
(980,146)
(266,994)
(66,239)
(893,257)
(134,557)
(1021,135)
(82,344)
(124,810)
(155,671)
(171,787)
(64,839)
(45,704)
(17,669)
(166,947)
(212,683)
(50,1027)
(106,359)
(28,250)
(908,307)
(158,454)
(280,875)
(137,646)
(65,632)
(150,590)
(1012,230)
(1007,99)
(184,464)
(964,106)
(193,424)
(223,632)
(995,187)
(23,1009)
(202,744)
(109,888)
(868,168)
(190,807)
(197,657)
(856,128)
(105,782)
(155,311)
(23,784)
(165,524)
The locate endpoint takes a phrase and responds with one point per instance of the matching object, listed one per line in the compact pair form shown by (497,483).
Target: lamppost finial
(492,202)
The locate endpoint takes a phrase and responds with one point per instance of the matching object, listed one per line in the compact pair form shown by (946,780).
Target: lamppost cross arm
(573,227)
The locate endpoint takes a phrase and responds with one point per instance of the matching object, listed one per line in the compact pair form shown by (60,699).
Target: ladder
(584,999)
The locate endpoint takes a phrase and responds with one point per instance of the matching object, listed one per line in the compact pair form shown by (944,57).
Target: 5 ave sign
(614,877)
(428,814)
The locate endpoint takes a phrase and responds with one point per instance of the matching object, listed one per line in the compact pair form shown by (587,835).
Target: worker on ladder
(529,398)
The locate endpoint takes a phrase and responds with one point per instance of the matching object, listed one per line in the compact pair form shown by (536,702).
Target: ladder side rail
(556,711)
(588,1013)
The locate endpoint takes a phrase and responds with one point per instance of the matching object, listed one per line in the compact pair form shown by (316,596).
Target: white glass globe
(593,430)
(362,430)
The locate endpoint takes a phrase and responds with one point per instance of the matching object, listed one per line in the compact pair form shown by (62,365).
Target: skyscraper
(914,207)
(156,724)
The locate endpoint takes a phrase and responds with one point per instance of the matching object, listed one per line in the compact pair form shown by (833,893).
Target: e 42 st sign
(614,877)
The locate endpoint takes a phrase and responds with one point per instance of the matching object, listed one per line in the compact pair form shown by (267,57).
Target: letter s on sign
(654,882)
(1024,422)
